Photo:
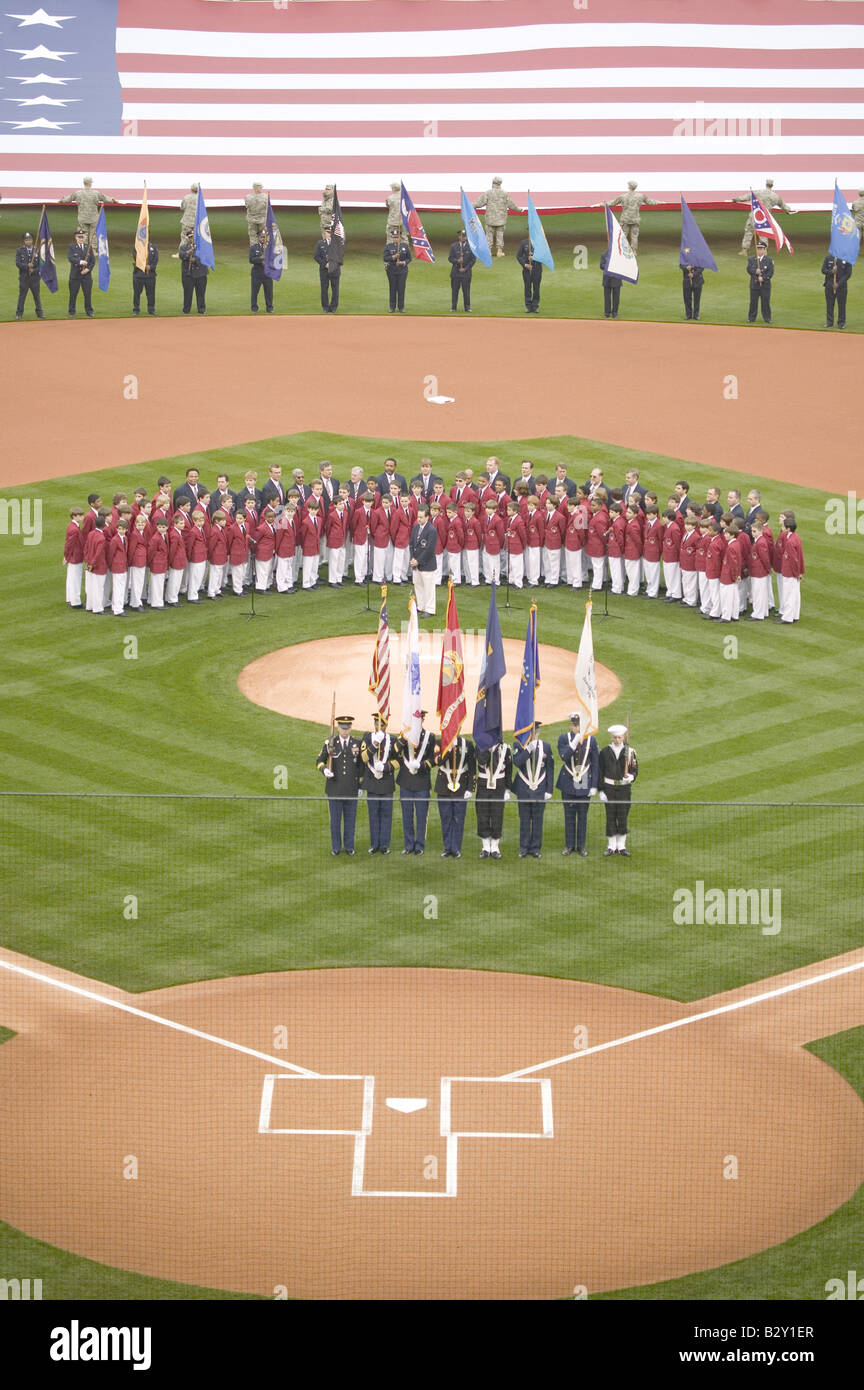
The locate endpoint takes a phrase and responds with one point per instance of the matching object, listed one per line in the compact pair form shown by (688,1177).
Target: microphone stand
(606,614)
(253,545)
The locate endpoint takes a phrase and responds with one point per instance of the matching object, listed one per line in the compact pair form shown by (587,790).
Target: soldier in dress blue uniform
(380,763)
(339,761)
(454,787)
(259,277)
(415,787)
(494,778)
(81,262)
(145,280)
(533,781)
(397,262)
(617,770)
(27,262)
(577,783)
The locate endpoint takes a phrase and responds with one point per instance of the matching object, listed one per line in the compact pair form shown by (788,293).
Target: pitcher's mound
(299,681)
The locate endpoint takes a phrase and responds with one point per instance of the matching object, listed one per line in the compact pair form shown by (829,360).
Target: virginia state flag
(414,227)
(274,251)
(203,241)
(694,247)
(844,233)
(47,263)
(102,251)
(528,683)
(474,232)
(621,259)
(539,245)
(142,235)
(488,719)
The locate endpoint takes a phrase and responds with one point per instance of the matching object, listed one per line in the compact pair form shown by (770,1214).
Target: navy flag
(488,719)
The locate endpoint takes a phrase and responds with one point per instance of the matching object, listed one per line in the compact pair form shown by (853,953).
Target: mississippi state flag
(765,225)
(414,227)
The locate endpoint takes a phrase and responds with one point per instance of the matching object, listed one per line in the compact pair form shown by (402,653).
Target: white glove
(378,765)
(467,796)
(627,778)
(506,796)
(602,796)
(377,738)
(413,764)
(593,792)
(327,772)
(547,796)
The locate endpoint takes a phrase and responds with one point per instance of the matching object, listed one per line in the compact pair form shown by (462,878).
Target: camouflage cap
(631,183)
(497,179)
(395,187)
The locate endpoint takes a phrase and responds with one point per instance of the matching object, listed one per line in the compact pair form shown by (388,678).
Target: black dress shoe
(419,851)
(349,851)
(568,851)
(495,854)
(370,850)
(445,854)
(334,852)
(625,852)
(535,854)
(384,851)
(457,854)
(607,852)
(583,853)
(523,854)
(407,851)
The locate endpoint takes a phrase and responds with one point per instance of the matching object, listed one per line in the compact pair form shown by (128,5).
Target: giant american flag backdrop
(569,98)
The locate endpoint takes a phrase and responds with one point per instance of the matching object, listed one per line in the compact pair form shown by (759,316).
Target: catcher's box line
(154,1018)
(683,1022)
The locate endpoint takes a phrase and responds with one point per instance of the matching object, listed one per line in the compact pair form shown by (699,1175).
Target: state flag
(844,232)
(414,227)
(203,240)
(47,263)
(539,245)
(103,259)
(274,251)
(528,683)
(488,717)
(620,257)
(142,235)
(694,247)
(474,231)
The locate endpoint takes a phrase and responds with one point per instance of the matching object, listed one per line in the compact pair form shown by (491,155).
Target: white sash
(449,774)
(533,779)
(493,776)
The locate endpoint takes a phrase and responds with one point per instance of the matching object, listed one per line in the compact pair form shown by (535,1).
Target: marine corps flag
(379,684)
(451,682)
(47,263)
(142,236)
(586,684)
(528,683)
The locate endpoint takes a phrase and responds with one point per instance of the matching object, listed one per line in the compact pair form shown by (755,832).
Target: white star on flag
(40,17)
(41,101)
(44,77)
(42,52)
(41,124)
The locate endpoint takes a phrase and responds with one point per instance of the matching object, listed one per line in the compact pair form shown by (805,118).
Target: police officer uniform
(81,262)
(378,753)
(533,780)
(837,275)
(461,260)
(611,289)
(617,769)
(339,761)
(329,255)
(494,776)
(258,275)
(760,269)
(145,280)
(453,788)
(27,262)
(397,260)
(577,783)
(692,280)
(414,779)
(532,274)
(193,275)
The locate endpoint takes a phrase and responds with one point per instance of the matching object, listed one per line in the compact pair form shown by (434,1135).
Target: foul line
(683,1022)
(155,1018)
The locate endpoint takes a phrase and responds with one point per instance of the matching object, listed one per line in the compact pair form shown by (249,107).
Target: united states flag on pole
(700,99)
(379,682)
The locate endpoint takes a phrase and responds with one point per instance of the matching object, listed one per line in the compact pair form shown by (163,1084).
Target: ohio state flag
(451,682)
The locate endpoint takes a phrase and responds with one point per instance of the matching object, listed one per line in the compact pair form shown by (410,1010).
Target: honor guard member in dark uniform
(378,752)
(532,274)
(453,787)
(837,275)
(494,773)
(692,280)
(329,253)
(577,783)
(760,268)
(259,277)
(194,277)
(339,761)
(27,261)
(145,280)
(81,262)
(617,769)
(461,260)
(533,780)
(415,786)
(611,289)
(397,261)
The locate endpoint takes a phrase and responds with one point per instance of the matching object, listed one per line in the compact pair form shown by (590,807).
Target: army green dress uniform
(394,212)
(857,211)
(325,208)
(188,211)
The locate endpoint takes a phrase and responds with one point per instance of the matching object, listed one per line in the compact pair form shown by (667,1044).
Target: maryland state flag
(451,682)
(142,236)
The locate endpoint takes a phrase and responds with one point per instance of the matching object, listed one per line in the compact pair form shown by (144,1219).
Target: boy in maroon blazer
(690,543)
(336,525)
(454,543)
(177,559)
(401,522)
(616,546)
(118,567)
(217,554)
(652,544)
(493,541)
(553,541)
(791,570)
(760,572)
(310,543)
(535,535)
(195,540)
(515,541)
(137,541)
(95,565)
(633,549)
(238,549)
(157,563)
(595,541)
(360,528)
(73,556)
(730,574)
(265,550)
(473,527)
(673,529)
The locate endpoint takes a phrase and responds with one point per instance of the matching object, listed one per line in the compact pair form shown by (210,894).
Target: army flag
(47,263)
(142,235)
(488,719)
(379,683)
(621,259)
(474,232)
(451,682)
(539,245)
(844,233)
(412,700)
(766,225)
(586,684)
(203,241)
(694,247)
(274,251)
(414,227)
(528,683)
(104,260)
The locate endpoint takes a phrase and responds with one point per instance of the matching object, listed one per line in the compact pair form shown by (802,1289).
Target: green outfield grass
(235,878)
(577,241)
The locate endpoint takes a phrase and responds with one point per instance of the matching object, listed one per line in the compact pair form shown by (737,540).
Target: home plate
(406,1104)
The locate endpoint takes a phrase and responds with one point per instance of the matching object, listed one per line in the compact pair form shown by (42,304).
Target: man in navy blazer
(633,489)
(383,481)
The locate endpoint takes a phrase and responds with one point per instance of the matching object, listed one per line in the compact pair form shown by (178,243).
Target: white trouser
(743,591)
(672,577)
(690,587)
(401,563)
(729,602)
(424,590)
(439,568)
(382,563)
(651,570)
(361,562)
(714,598)
(195,578)
(574,567)
(118,592)
(532,564)
(264,573)
(790,603)
(471,561)
(551,565)
(73,584)
(780,582)
(634,575)
(454,565)
(156,592)
(237,573)
(598,566)
(617,571)
(284,573)
(335,564)
(310,571)
(491,567)
(761,592)
(94,592)
(172,585)
(516,570)
(703,591)
(137,575)
(214,583)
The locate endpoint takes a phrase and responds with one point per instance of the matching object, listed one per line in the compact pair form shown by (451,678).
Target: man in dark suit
(493,471)
(526,477)
(357,484)
(222,495)
(682,492)
(273,490)
(633,489)
(424,538)
(713,503)
(427,479)
(733,503)
(384,480)
(754,502)
(339,761)
(330,484)
(304,488)
(569,485)
(191,489)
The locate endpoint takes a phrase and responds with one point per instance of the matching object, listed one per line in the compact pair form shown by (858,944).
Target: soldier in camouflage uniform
(497,203)
(87,200)
(394,212)
(188,209)
(769,199)
(630,203)
(325,208)
(857,211)
(256,212)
